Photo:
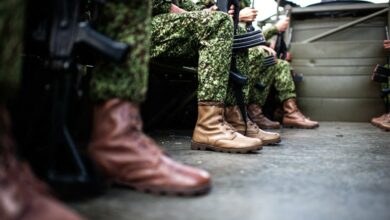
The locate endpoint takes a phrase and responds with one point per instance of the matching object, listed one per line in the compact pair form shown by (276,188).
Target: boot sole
(378,126)
(272,142)
(299,127)
(271,128)
(245,150)
(202,190)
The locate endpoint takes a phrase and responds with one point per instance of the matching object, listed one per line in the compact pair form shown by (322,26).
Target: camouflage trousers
(11,33)
(199,35)
(127,21)
(278,76)
(251,65)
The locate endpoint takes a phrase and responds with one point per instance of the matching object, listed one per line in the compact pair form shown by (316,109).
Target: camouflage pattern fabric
(284,83)
(278,76)
(258,74)
(270,32)
(243,68)
(11,32)
(127,21)
(198,34)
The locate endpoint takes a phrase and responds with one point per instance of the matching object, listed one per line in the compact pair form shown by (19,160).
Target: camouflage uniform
(251,64)
(11,28)
(278,76)
(202,35)
(129,22)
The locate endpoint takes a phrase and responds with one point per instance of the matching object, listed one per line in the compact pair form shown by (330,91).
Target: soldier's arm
(270,32)
(281,26)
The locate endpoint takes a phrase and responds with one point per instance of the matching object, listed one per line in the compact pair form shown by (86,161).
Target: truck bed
(339,171)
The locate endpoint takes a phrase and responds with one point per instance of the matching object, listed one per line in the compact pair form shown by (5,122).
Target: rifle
(249,26)
(59,31)
(380,74)
(240,42)
(280,45)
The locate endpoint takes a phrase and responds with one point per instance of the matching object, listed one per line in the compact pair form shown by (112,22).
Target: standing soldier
(22,196)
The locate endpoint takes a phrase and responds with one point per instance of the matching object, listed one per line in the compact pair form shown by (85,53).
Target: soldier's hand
(231,11)
(248,14)
(176,9)
(269,50)
(282,24)
(386,44)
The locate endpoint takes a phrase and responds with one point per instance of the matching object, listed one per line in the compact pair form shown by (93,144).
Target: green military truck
(336,45)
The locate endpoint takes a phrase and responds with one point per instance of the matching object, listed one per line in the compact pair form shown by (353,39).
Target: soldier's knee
(283,63)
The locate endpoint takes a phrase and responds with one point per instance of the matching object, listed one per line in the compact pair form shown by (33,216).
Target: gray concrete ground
(339,171)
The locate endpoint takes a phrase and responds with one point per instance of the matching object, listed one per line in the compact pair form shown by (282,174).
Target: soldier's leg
(263,76)
(284,83)
(285,88)
(118,145)
(208,36)
(383,121)
(22,196)
(128,22)
(197,34)
(233,115)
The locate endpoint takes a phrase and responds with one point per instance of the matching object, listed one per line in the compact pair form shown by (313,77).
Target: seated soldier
(119,147)
(22,196)
(207,37)
(383,121)
(278,76)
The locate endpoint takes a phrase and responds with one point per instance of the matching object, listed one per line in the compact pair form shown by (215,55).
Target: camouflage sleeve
(161,6)
(241,29)
(188,5)
(270,32)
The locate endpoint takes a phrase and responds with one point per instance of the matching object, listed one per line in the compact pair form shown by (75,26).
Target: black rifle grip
(116,51)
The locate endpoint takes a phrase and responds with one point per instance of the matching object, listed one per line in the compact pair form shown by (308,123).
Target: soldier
(22,196)
(278,76)
(207,37)
(383,121)
(119,147)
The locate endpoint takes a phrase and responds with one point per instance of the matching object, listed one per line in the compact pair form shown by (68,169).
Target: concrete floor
(339,171)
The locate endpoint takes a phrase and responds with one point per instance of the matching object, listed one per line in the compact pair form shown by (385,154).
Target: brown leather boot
(6,143)
(23,197)
(129,157)
(294,118)
(212,132)
(234,117)
(377,121)
(256,114)
(385,123)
